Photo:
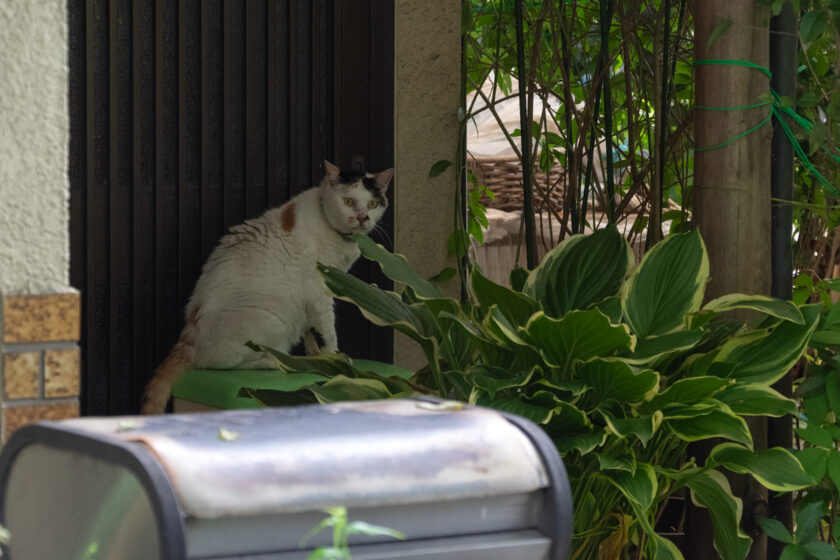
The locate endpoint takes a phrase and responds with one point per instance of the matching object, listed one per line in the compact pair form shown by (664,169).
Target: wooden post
(732,202)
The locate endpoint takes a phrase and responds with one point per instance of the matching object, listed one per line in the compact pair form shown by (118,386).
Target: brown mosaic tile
(20,375)
(42,318)
(15,417)
(61,373)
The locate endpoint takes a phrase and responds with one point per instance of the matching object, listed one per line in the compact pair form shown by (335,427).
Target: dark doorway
(187,117)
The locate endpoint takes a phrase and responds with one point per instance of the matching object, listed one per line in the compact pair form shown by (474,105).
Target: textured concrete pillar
(39,312)
(427,89)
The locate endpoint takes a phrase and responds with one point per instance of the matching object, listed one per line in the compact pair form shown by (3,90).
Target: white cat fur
(261,282)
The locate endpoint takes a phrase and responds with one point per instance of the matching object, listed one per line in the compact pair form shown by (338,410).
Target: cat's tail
(159,387)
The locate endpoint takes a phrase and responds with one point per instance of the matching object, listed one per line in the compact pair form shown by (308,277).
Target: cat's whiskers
(382,233)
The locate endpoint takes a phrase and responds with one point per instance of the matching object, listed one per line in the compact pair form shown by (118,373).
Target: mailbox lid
(368,453)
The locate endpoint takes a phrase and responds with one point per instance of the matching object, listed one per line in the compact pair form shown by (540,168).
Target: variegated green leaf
(516,306)
(667,285)
(711,490)
(533,412)
(642,427)
(712,423)
(654,347)
(756,399)
(640,488)
(343,388)
(378,306)
(760,358)
(579,335)
(785,310)
(494,379)
(616,380)
(580,271)
(396,267)
(776,468)
(686,391)
(617,462)
(570,428)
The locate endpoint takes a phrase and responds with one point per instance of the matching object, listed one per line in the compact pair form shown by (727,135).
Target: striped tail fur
(159,387)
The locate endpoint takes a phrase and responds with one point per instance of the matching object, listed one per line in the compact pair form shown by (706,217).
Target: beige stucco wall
(427,92)
(34,191)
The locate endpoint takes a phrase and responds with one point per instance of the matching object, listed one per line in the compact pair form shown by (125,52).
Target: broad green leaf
(642,427)
(580,271)
(792,552)
(776,468)
(779,308)
(494,379)
(463,388)
(516,306)
(382,368)
(755,399)
(776,530)
(439,167)
(816,408)
(579,335)
(834,468)
(687,391)
(327,365)
(814,460)
(812,25)
(640,488)
(665,549)
(715,422)
(504,330)
(755,358)
(616,380)
(825,337)
(611,307)
(378,306)
(396,267)
(653,347)
(816,435)
(342,388)
(821,550)
(570,429)
(711,490)
(518,277)
(278,397)
(808,517)
(623,462)
(534,413)
(667,285)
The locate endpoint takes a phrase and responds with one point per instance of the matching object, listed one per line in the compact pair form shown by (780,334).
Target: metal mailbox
(460,482)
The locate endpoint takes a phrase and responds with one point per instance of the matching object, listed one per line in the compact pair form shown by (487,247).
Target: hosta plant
(622,365)
(817,530)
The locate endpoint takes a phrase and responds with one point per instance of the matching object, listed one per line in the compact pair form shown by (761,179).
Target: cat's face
(354,201)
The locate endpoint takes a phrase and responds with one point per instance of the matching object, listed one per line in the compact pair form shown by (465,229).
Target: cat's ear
(383,179)
(332,170)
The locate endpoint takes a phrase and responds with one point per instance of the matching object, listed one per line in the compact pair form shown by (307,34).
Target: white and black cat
(261,282)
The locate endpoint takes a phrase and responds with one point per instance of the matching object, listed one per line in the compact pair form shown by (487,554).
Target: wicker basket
(503,176)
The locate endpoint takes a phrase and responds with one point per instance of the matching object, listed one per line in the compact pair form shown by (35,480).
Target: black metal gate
(188,116)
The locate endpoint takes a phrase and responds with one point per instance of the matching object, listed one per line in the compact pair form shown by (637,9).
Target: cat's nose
(362,217)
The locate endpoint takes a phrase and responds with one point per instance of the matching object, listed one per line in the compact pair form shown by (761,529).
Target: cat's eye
(373,204)
(348,201)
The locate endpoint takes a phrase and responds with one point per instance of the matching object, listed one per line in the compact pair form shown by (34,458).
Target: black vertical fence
(187,117)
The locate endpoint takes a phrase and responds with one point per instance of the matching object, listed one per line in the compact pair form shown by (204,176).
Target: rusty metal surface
(370,453)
